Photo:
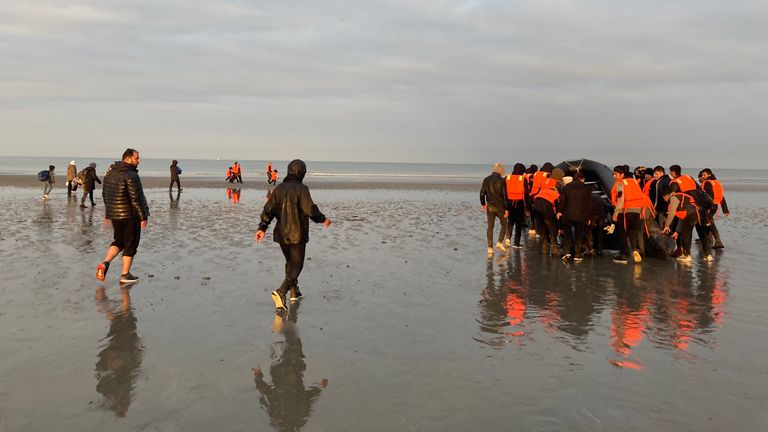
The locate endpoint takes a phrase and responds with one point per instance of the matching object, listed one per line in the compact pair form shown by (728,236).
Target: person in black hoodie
(89,184)
(574,210)
(291,204)
(126,206)
(493,199)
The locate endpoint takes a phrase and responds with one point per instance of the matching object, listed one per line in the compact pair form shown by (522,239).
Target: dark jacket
(576,202)
(175,170)
(292,206)
(494,192)
(123,195)
(659,203)
(91,178)
(598,213)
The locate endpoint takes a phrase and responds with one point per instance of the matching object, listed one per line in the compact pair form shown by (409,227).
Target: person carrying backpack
(48,180)
(175,171)
(90,178)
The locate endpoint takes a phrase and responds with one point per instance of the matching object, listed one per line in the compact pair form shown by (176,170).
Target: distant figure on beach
(127,209)
(48,183)
(230,177)
(269,172)
(291,204)
(237,172)
(274,176)
(493,199)
(175,171)
(90,178)
(71,178)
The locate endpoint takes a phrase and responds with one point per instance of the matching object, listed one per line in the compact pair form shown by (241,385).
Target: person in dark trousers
(48,184)
(627,213)
(657,198)
(89,184)
(544,208)
(714,189)
(682,206)
(574,210)
(175,171)
(237,173)
(71,178)
(493,199)
(127,209)
(598,221)
(518,192)
(291,204)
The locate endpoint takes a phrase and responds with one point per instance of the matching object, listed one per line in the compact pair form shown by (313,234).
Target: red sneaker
(101,270)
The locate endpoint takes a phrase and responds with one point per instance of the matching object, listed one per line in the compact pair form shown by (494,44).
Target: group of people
(85,179)
(235,173)
(272,174)
(555,206)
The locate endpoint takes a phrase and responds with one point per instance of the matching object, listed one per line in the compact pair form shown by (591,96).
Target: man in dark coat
(574,211)
(291,204)
(126,206)
(89,184)
(175,171)
(493,199)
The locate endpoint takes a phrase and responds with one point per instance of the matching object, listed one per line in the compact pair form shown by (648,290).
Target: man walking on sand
(493,199)
(291,204)
(127,208)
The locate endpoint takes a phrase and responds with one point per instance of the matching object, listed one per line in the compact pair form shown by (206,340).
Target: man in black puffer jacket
(127,208)
(292,206)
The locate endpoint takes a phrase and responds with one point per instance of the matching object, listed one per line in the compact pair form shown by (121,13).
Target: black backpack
(43,175)
(702,199)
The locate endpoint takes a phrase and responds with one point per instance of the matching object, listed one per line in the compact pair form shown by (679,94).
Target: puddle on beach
(405,324)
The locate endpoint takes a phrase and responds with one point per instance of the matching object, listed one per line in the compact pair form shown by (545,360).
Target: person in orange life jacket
(648,182)
(273,177)
(230,178)
(493,199)
(269,171)
(658,201)
(544,209)
(529,173)
(573,212)
(628,208)
(536,180)
(686,184)
(517,193)
(682,207)
(714,188)
(237,172)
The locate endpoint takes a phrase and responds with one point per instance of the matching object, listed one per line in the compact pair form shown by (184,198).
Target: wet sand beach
(405,324)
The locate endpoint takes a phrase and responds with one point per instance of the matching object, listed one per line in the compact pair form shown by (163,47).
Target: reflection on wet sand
(666,308)
(287,401)
(119,361)
(233,194)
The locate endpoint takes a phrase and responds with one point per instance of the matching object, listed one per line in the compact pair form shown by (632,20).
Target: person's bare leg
(111,253)
(127,261)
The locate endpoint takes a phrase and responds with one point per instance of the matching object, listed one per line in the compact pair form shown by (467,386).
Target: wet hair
(675,169)
(659,168)
(579,176)
(621,169)
(518,169)
(128,153)
(533,168)
(710,174)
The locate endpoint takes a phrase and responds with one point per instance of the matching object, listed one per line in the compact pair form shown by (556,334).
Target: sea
(215,168)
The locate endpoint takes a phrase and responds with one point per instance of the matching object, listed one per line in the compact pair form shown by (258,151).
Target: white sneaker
(501,247)
(636,256)
(490,251)
(507,242)
(709,257)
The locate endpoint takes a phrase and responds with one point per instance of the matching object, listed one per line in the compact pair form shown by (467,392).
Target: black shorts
(127,235)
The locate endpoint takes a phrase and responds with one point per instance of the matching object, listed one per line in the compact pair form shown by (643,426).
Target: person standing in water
(48,184)
(126,206)
(175,171)
(89,184)
(493,199)
(291,204)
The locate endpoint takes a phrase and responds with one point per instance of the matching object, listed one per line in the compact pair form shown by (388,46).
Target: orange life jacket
(681,212)
(229,172)
(550,195)
(274,175)
(633,196)
(717,189)
(647,187)
(538,178)
(685,182)
(515,187)
(615,193)
(236,169)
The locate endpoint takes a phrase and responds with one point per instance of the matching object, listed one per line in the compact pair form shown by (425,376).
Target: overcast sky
(399,80)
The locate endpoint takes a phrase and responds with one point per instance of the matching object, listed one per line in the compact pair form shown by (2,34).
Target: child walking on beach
(291,204)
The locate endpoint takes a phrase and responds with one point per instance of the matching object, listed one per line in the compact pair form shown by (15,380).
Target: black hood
(297,169)
(547,167)
(518,169)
